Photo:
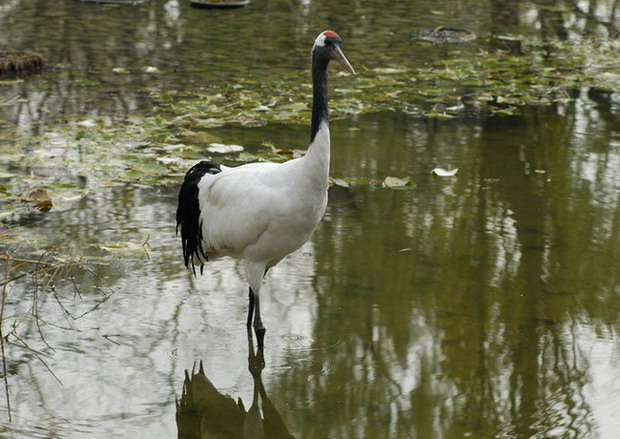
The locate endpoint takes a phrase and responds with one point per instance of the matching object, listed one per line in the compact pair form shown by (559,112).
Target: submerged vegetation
(157,150)
(18,63)
(489,77)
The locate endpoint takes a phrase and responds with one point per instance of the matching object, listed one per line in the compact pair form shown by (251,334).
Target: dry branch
(45,274)
(7,269)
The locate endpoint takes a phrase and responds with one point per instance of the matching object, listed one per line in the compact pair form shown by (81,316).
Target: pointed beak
(339,56)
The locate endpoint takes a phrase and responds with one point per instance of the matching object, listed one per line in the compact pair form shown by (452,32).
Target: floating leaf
(261,108)
(339,182)
(221,148)
(442,34)
(248,157)
(87,123)
(440,172)
(44,205)
(289,153)
(150,69)
(396,182)
(122,247)
(508,111)
(387,70)
(40,198)
(438,115)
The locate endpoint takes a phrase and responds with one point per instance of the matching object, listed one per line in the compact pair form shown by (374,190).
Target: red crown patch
(331,33)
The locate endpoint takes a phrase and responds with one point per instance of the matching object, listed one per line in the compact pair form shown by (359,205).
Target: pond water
(482,305)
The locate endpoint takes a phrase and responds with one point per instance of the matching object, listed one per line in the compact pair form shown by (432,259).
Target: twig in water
(107,337)
(146,246)
(7,265)
(37,354)
(97,305)
(76,290)
(6,257)
(45,274)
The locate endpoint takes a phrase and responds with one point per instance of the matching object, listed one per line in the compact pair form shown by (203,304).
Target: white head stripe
(320,40)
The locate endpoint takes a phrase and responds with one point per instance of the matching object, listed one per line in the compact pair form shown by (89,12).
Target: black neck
(319,94)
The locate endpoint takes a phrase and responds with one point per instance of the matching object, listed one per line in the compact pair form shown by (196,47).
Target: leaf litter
(69,161)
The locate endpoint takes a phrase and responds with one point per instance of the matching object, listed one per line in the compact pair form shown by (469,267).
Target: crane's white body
(261,212)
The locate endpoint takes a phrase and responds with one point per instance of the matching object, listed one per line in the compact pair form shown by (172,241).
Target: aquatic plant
(17,63)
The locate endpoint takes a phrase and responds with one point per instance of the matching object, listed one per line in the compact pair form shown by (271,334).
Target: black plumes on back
(188,213)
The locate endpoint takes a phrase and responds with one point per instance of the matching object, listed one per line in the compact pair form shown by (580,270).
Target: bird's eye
(328,42)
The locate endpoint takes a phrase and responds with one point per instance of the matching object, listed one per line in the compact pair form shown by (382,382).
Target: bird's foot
(256,360)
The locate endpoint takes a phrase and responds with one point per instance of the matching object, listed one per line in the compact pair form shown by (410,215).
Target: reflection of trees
(555,18)
(478,327)
(85,42)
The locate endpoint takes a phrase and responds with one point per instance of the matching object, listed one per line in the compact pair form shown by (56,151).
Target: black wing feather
(188,213)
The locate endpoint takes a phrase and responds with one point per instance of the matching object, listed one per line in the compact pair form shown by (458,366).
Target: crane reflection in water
(203,411)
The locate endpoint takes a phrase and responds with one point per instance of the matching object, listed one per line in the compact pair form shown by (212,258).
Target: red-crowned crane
(261,212)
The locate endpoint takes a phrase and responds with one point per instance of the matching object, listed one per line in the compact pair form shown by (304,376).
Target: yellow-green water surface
(482,305)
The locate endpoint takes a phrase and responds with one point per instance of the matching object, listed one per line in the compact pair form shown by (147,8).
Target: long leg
(254,273)
(258,323)
(250,307)
(259,329)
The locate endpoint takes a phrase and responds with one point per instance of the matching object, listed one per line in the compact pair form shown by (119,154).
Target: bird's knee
(259,329)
